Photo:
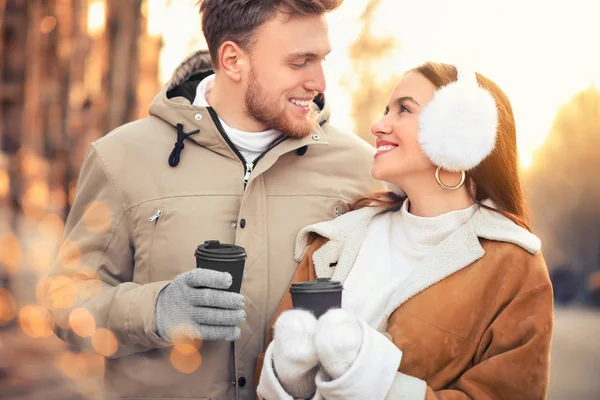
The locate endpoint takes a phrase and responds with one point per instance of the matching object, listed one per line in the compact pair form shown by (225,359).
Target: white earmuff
(458,127)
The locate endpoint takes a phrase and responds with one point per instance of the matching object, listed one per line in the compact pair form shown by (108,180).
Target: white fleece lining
(371,374)
(406,387)
(460,249)
(269,387)
(345,234)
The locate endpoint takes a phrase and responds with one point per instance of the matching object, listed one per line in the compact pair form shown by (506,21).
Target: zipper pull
(157,214)
(249,167)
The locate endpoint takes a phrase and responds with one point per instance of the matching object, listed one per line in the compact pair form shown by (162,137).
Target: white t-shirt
(250,144)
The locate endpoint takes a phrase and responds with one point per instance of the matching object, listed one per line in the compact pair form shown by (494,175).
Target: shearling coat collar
(460,249)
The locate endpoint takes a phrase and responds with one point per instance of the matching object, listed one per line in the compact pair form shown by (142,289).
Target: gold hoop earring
(446,187)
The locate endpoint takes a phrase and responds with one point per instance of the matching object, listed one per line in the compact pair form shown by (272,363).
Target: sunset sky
(540,53)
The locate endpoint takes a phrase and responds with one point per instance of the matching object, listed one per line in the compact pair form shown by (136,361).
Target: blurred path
(575,366)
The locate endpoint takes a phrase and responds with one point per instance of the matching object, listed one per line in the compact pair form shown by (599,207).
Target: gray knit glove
(192,307)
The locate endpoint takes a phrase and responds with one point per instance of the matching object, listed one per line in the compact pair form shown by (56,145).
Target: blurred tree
(370,90)
(70,71)
(563,188)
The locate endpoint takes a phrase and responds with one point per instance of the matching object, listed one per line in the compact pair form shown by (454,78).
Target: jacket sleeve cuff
(141,316)
(269,387)
(372,373)
(406,387)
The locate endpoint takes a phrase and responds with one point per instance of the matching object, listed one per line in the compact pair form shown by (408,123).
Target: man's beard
(262,109)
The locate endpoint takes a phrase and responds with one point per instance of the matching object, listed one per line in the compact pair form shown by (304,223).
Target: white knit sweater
(395,243)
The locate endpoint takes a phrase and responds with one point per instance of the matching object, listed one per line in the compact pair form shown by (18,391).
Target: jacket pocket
(154,219)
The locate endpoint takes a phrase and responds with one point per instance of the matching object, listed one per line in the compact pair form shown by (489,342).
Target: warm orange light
(80,366)
(96,17)
(4,183)
(90,284)
(69,255)
(95,364)
(35,200)
(41,292)
(58,198)
(51,228)
(48,24)
(39,257)
(72,366)
(8,307)
(82,322)
(34,322)
(10,252)
(72,192)
(78,95)
(97,217)
(32,165)
(61,293)
(185,358)
(104,342)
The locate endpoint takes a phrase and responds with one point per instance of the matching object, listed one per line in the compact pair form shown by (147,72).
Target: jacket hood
(181,90)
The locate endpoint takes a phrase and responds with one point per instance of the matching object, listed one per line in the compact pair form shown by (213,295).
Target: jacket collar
(173,105)
(346,234)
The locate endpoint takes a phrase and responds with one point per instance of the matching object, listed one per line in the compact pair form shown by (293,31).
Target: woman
(446,293)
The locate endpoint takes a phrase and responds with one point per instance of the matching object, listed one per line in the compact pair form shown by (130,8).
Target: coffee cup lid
(216,249)
(320,285)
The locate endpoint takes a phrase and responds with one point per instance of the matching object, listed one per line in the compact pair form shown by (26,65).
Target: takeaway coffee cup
(317,296)
(218,256)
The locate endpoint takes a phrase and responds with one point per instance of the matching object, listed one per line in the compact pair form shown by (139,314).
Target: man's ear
(232,60)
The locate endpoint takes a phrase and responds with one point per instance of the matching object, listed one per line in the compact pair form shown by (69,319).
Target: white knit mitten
(358,361)
(294,354)
(338,341)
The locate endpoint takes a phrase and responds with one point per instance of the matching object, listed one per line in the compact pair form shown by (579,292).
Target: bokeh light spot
(48,24)
(104,342)
(97,217)
(39,257)
(72,366)
(35,322)
(35,200)
(4,183)
(10,252)
(69,254)
(51,227)
(185,358)
(82,322)
(61,292)
(8,307)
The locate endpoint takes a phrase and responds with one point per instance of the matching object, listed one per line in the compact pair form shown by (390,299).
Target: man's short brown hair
(236,20)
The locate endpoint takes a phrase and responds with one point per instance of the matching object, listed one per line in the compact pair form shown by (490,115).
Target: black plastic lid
(215,249)
(321,285)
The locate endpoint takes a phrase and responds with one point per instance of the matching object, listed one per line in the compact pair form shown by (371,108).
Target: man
(254,161)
